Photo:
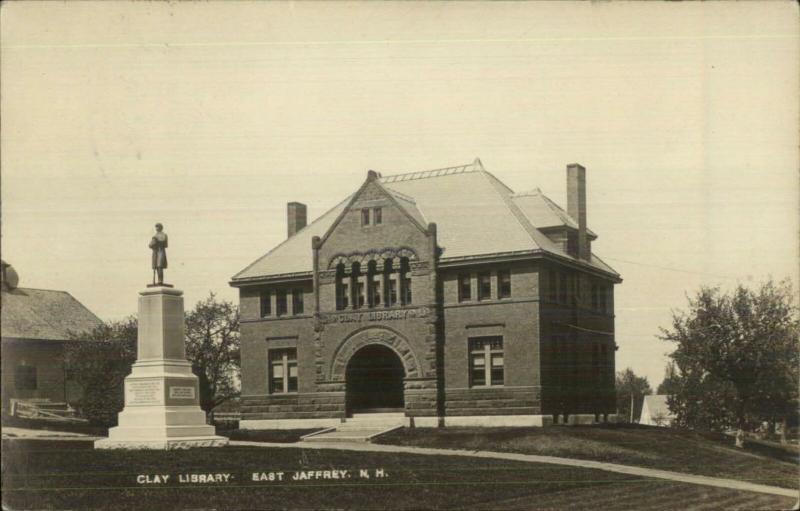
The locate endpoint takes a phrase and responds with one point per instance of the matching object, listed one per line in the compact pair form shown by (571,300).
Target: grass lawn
(71,475)
(661,448)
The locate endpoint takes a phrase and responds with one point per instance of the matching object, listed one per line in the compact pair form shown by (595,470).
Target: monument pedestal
(162,408)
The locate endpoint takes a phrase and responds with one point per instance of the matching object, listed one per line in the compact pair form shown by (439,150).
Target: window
(562,287)
(553,286)
(392,291)
(602,306)
(341,288)
(377,215)
(373,285)
(297,301)
(282,371)
(357,288)
(375,291)
(405,281)
(360,298)
(504,284)
(266,304)
(484,285)
(390,283)
(464,287)
(486,361)
(280,302)
(365,217)
(595,297)
(25,377)
(604,365)
(345,297)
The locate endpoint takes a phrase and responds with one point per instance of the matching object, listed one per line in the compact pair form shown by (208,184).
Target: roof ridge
(39,289)
(475,166)
(528,193)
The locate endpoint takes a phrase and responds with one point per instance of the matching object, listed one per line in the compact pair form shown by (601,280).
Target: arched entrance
(374,380)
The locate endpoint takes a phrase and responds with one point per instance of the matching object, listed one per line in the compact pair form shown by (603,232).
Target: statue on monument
(158,244)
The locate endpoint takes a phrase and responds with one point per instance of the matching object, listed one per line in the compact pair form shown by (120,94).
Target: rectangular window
(283,371)
(365,217)
(344,296)
(603,299)
(595,299)
(553,285)
(25,377)
(266,304)
(504,284)
(562,287)
(392,291)
(484,286)
(297,301)
(280,302)
(486,365)
(464,287)
(375,291)
(406,290)
(360,298)
(377,215)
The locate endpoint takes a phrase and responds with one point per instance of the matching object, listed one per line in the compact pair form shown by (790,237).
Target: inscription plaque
(181,392)
(144,392)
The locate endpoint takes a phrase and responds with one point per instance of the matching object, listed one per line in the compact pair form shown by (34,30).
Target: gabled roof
(43,314)
(476,215)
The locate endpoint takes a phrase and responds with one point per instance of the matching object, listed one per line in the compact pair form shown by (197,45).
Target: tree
(671,382)
(98,362)
(631,388)
(212,347)
(736,356)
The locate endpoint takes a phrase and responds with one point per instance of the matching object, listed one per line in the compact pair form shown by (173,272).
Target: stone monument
(162,408)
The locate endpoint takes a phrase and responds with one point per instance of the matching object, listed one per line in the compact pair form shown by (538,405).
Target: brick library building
(440,296)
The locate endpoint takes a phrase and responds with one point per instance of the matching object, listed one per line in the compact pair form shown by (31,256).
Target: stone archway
(375,381)
(374,335)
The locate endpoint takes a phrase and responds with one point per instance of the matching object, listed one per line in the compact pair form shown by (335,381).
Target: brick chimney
(295,217)
(576,207)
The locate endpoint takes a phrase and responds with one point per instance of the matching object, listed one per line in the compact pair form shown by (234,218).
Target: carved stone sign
(144,392)
(387,315)
(181,392)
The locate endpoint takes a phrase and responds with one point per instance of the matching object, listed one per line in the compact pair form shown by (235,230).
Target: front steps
(360,428)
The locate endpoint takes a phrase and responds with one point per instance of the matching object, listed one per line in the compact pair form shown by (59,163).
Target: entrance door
(375,380)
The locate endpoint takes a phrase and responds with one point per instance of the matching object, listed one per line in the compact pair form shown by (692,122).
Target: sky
(209,117)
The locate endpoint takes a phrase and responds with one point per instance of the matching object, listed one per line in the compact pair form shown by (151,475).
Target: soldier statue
(158,244)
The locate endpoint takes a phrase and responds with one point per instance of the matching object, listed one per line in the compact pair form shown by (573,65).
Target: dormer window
(364,217)
(377,216)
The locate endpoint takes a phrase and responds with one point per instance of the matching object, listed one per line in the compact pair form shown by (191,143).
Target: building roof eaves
(303,275)
(237,277)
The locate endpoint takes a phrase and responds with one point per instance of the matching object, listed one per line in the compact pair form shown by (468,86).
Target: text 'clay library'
(440,296)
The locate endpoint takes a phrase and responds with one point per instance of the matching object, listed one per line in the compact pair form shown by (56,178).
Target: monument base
(163,445)
(162,409)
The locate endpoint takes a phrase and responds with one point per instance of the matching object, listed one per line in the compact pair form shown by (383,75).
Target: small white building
(655,411)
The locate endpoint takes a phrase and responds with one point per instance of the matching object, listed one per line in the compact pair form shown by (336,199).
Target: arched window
(390,283)
(373,285)
(342,288)
(358,286)
(405,281)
